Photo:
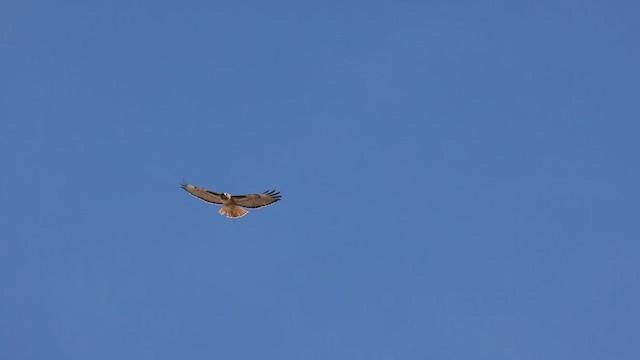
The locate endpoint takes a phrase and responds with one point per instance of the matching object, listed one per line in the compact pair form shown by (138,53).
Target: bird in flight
(233,205)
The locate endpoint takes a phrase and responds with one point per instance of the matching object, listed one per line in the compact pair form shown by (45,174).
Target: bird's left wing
(202,193)
(253,201)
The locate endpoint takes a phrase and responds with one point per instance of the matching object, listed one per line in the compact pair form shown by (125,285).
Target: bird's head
(225,196)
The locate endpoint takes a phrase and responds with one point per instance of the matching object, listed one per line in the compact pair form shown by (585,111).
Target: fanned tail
(232,211)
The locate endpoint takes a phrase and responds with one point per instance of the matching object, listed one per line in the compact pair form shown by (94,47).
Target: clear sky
(459,179)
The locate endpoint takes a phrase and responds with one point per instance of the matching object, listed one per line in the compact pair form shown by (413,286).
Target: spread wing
(253,201)
(202,193)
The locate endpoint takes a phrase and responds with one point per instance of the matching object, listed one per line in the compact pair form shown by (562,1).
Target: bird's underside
(233,206)
(232,211)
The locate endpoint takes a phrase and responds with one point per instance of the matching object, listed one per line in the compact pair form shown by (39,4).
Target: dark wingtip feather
(274,194)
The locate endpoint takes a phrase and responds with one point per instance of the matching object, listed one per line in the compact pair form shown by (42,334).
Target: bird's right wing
(202,193)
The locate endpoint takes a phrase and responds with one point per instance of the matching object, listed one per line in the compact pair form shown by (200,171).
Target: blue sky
(460,180)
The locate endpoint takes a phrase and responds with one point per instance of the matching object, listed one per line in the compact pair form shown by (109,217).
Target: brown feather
(253,201)
(232,211)
(202,193)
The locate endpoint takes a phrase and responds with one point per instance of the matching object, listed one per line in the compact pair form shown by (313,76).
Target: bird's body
(229,207)
(233,205)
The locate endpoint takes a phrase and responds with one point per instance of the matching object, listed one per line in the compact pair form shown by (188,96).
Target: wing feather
(253,201)
(202,193)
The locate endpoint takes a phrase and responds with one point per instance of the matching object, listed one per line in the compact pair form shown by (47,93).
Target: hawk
(232,205)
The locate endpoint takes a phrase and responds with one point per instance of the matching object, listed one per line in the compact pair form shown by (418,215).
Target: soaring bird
(232,205)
